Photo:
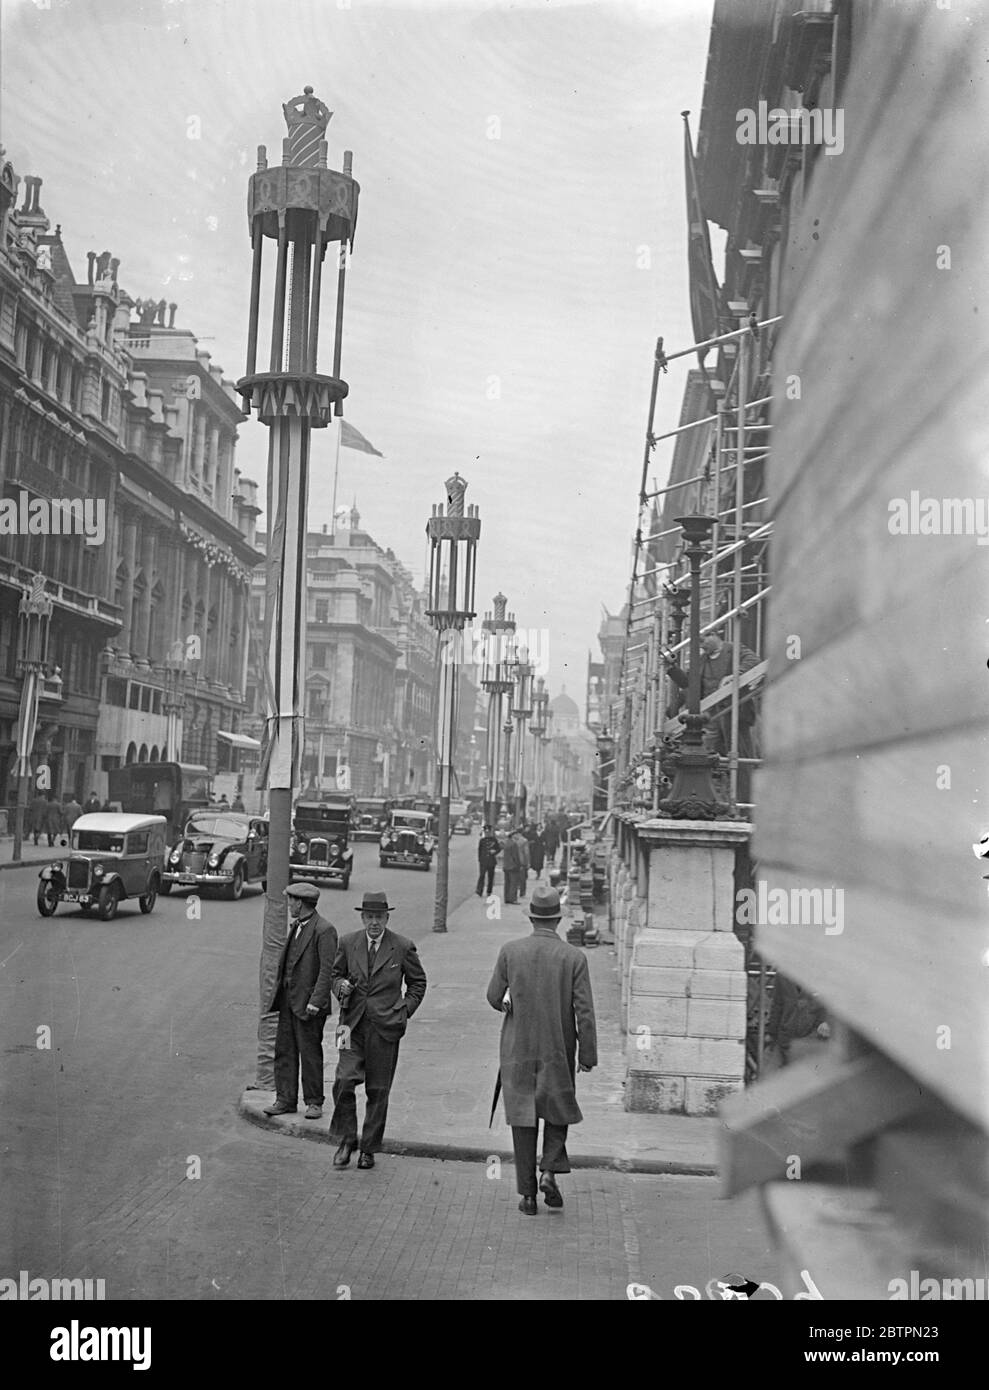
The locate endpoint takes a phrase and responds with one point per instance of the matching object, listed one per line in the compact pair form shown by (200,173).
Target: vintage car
(320,852)
(409,839)
(219,849)
(460,823)
(370,817)
(111,857)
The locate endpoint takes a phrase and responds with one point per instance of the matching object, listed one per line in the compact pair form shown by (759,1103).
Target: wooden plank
(900,973)
(811,1112)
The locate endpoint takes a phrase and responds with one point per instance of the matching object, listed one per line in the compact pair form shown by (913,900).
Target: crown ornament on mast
(307,118)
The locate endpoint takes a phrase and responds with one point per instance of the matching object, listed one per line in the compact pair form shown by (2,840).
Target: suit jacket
(306,967)
(379,998)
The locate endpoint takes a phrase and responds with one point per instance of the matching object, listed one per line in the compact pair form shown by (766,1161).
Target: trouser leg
(350,1075)
(286,1058)
(554,1156)
(380,1061)
(524,1144)
(309,1041)
(490,878)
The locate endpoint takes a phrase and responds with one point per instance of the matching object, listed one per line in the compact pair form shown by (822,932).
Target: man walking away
(302,997)
(53,819)
(488,849)
(371,966)
(71,811)
(541,985)
(511,864)
(38,814)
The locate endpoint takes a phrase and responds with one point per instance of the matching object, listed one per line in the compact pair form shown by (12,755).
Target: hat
(544,905)
(308,892)
(375,902)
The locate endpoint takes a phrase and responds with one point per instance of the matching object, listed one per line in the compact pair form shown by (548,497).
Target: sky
(521,242)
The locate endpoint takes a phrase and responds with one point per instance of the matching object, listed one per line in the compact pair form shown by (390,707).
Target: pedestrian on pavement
(371,966)
(223,803)
(38,815)
(301,995)
(512,864)
(537,850)
(523,845)
(92,805)
(71,811)
(54,823)
(542,986)
(238,803)
(107,805)
(551,840)
(488,849)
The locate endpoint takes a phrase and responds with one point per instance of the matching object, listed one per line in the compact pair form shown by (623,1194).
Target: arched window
(142,757)
(131,754)
(155,756)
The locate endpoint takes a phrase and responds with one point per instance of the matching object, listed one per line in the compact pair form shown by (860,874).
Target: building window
(319,653)
(322,610)
(105,401)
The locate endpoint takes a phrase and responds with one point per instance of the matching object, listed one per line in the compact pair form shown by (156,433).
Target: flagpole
(338,424)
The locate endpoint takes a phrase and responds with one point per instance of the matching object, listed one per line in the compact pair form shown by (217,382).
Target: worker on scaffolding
(717,674)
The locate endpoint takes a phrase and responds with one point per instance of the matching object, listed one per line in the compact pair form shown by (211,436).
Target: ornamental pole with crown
(303,207)
(496,678)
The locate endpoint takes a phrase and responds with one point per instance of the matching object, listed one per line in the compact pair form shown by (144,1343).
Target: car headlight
(176,856)
(334,848)
(58,867)
(420,839)
(214,859)
(386,839)
(98,870)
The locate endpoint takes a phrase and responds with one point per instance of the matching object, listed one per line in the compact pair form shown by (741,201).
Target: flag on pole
(353,439)
(705,296)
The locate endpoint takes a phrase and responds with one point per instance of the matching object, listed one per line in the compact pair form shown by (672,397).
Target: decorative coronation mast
(303,207)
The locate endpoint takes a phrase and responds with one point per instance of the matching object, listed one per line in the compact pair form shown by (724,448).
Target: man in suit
(371,966)
(541,985)
(488,849)
(302,997)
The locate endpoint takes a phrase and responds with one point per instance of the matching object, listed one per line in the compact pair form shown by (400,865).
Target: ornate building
(134,430)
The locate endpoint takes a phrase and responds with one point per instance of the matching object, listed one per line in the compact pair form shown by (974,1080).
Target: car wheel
(235,888)
(382,863)
(148,900)
(164,889)
(109,901)
(264,885)
(345,882)
(47,899)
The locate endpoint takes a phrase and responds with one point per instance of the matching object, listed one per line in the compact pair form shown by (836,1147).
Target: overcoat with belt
(378,995)
(551,1023)
(306,967)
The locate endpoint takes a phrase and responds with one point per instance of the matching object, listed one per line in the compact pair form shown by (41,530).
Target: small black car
(219,849)
(320,852)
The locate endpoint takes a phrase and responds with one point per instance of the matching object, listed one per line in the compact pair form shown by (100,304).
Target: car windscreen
(410,822)
(216,825)
(105,841)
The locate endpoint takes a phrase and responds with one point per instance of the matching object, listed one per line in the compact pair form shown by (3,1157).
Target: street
(124,1157)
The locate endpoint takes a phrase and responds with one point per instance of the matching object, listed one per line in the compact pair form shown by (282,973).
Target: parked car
(112,856)
(409,839)
(219,849)
(320,851)
(370,817)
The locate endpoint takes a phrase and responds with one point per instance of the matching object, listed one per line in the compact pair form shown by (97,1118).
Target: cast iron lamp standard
(679,601)
(496,678)
(33,622)
(537,728)
(452,562)
(692,796)
(304,207)
(522,709)
(507,730)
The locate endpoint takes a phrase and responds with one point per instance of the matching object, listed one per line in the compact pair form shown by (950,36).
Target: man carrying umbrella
(542,986)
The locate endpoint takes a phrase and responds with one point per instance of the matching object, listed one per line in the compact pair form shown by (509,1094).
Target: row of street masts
(516,705)
(720,583)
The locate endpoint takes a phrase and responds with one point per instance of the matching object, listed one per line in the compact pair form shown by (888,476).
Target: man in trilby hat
(301,995)
(541,984)
(371,966)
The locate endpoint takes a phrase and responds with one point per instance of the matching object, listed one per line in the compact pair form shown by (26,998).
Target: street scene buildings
(609,791)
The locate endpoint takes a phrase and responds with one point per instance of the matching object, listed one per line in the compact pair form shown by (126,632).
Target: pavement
(448,1062)
(30,852)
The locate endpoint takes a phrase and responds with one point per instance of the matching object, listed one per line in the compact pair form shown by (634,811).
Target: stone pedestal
(686,986)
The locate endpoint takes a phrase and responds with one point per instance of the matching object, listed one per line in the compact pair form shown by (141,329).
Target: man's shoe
(527,1206)
(342,1156)
(314,1112)
(280,1107)
(551,1193)
(366,1161)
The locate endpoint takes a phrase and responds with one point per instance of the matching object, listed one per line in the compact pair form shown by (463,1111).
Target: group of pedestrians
(528,848)
(49,816)
(540,984)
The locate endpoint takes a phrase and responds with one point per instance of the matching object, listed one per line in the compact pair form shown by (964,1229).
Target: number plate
(70,897)
(187,878)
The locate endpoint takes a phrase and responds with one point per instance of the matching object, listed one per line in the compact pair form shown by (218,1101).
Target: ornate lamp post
(33,622)
(303,207)
(692,796)
(521,712)
(537,728)
(679,601)
(496,678)
(452,561)
(507,730)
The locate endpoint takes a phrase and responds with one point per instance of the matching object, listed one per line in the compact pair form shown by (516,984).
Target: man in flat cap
(371,967)
(541,985)
(302,997)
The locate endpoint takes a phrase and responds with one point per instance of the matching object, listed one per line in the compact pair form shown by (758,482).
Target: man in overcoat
(542,986)
(488,849)
(511,863)
(370,969)
(301,994)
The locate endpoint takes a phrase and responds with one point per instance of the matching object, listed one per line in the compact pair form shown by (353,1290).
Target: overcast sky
(521,241)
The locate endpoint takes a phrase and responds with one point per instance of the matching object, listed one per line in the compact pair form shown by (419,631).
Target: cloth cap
(308,892)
